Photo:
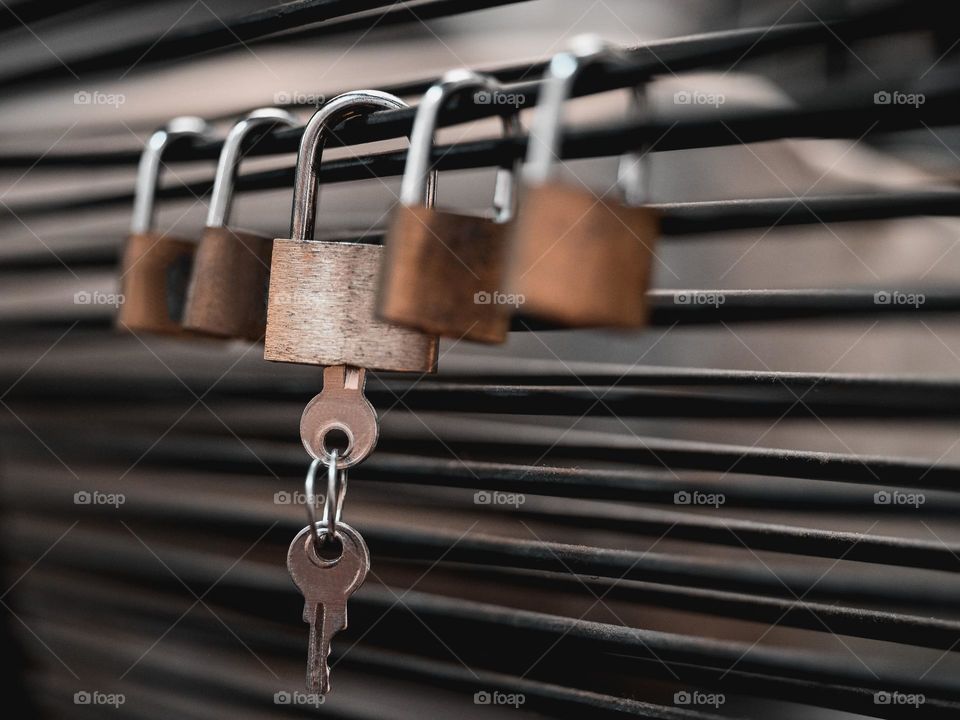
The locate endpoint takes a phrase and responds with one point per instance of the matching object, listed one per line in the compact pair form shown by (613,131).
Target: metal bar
(653,58)
(745,400)
(711,658)
(848,114)
(691,306)
(217,34)
(744,576)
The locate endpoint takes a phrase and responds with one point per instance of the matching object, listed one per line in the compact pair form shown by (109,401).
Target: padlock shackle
(417,172)
(234,149)
(148,171)
(633,172)
(546,129)
(339,109)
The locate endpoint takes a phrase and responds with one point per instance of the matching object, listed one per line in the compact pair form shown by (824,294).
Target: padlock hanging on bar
(321,303)
(578,259)
(227,295)
(155,267)
(443,271)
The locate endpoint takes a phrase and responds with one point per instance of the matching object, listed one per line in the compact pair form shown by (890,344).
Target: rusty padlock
(227,295)
(578,259)
(156,267)
(443,272)
(320,308)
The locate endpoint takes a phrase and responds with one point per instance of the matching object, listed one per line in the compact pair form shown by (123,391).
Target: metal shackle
(148,171)
(546,129)
(416,174)
(262,120)
(339,109)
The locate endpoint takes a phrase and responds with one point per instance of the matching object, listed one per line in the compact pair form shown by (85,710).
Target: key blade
(318,652)
(328,621)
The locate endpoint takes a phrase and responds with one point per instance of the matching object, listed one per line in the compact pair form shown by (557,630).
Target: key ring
(332,502)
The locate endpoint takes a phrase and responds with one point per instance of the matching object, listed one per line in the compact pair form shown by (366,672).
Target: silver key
(326,586)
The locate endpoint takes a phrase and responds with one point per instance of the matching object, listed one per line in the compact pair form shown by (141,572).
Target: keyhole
(329,549)
(336,439)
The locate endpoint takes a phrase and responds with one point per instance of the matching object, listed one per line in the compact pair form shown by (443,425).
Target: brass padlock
(227,295)
(320,308)
(579,259)
(444,271)
(155,267)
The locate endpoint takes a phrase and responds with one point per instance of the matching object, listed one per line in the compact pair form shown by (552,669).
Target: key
(341,406)
(326,586)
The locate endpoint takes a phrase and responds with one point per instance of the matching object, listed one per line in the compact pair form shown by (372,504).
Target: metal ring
(308,489)
(332,502)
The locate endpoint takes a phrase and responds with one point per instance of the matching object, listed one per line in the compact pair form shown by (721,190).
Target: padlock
(443,272)
(227,295)
(156,267)
(578,259)
(321,304)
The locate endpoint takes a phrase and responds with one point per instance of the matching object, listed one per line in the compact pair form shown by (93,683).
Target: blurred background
(594,592)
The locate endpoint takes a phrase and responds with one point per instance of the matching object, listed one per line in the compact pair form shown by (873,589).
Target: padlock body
(321,305)
(227,296)
(581,261)
(155,271)
(443,274)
